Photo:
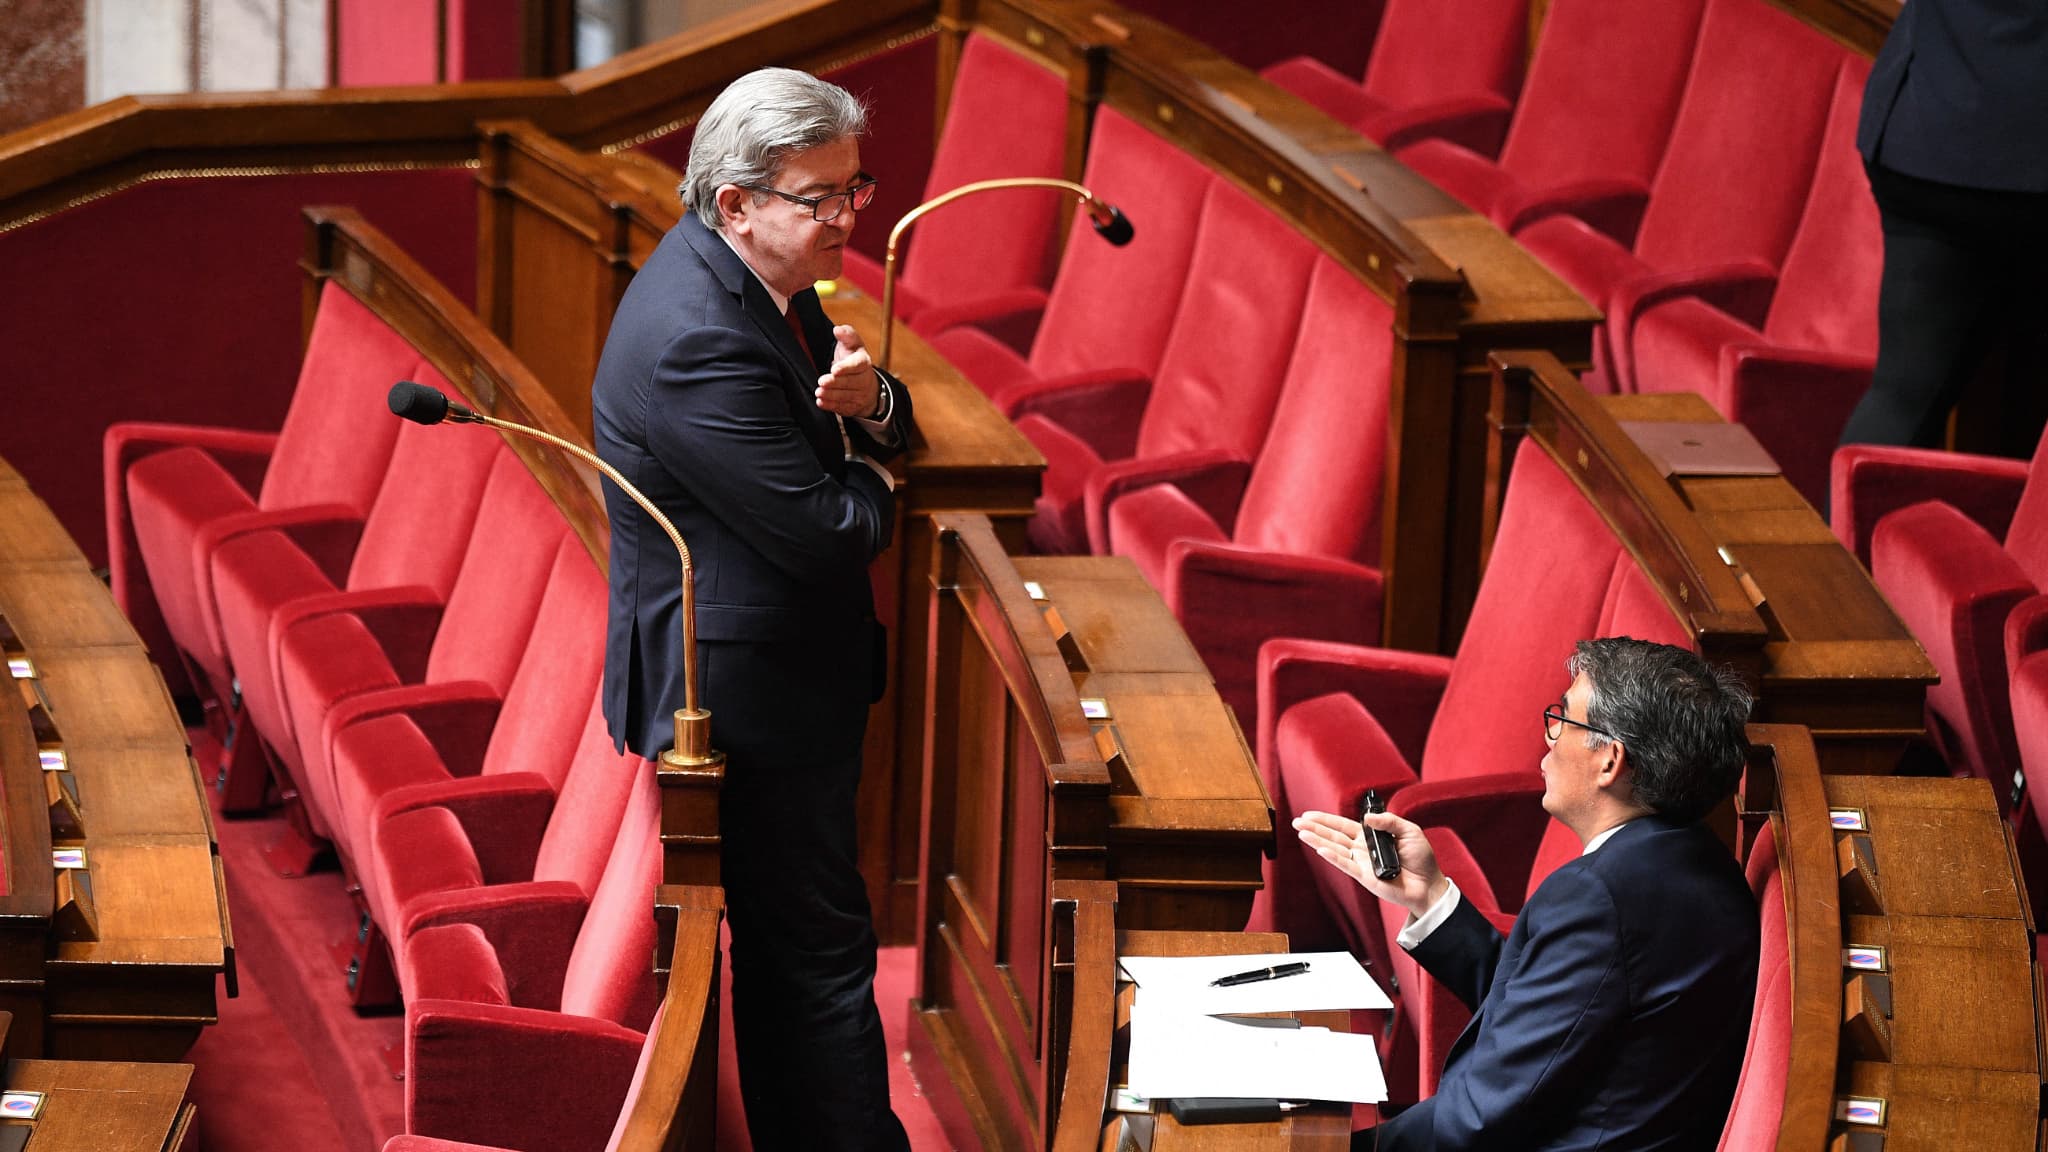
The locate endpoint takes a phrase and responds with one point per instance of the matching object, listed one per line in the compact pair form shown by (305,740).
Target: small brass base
(693,741)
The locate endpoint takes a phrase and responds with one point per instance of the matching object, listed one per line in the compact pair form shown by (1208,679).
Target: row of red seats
(1689,167)
(416,637)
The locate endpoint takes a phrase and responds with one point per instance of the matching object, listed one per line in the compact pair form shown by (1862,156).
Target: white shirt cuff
(883,429)
(888,480)
(1419,928)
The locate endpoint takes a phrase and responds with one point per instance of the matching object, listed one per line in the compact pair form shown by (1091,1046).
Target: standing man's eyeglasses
(1554,721)
(825,209)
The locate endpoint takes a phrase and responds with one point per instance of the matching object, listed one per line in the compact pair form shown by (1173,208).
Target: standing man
(1615,1014)
(731,400)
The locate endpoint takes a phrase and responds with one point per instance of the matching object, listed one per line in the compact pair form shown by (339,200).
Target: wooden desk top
(1940,845)
(136,977)
(1319,1127)
(105,1106)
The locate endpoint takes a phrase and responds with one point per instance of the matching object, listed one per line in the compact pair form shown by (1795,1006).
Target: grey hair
(755,124)
(1680,718)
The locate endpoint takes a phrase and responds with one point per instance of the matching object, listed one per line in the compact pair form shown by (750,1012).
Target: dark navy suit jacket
(1613,1017)
(1959,95)
(706,402)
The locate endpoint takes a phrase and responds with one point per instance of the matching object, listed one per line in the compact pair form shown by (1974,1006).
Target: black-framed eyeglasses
(825,209)
(1554,721)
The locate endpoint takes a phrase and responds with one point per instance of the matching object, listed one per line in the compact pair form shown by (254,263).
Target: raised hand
(851,388)
(1341,843)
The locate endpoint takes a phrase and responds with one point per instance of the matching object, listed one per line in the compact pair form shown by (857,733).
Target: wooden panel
(103,1106)
(1940,1109)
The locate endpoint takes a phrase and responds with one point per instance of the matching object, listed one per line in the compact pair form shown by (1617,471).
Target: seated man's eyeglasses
(1554,721)
(825,209)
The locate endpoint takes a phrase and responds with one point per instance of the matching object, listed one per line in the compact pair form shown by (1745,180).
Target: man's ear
(1614,766)
(732,208)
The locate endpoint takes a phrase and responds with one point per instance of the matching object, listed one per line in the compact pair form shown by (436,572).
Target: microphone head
(418,403)
(1115,227)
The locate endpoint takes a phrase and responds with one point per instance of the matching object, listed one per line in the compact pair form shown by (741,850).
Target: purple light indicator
(52,759)
(21,1105)
(1848,818)
(1868,959)
(1857,1110)
(67,857)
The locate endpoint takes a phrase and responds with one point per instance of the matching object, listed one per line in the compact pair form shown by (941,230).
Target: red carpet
(292,1066)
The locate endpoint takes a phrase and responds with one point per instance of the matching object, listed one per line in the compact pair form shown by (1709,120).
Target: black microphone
(423,405)
(1110,223)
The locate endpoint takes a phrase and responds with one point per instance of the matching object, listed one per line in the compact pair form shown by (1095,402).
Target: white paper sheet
(1333,981)
(1180,1054)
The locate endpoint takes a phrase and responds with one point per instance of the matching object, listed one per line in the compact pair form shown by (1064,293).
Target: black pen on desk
(1278,972)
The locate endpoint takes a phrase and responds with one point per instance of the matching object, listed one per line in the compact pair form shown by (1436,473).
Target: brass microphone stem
(940,201)
(693,724)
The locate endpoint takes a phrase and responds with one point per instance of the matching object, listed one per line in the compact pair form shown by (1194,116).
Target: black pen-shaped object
(1277,972)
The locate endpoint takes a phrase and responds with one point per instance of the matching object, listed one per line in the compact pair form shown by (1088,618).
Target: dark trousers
(1963,276)
(814,1070)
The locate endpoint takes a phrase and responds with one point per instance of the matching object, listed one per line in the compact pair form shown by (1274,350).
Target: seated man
(1615,1014)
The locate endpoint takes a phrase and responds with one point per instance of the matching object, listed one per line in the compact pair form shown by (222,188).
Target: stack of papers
(1185,1041)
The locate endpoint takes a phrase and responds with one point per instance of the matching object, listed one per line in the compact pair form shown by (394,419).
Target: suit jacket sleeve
(720,422)
(1550,1017)
(901,422)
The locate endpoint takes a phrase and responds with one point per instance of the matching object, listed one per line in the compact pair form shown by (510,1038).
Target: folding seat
(1794,379)
(1759,1105)
(1216,386)
(502,754)
(527,1004)
(1729,191)
(987,260)
(1591,123)
(413,540)
(1439,68)
(175,491)
(403,648)
(1110,309)
(1284,546)
(480,832)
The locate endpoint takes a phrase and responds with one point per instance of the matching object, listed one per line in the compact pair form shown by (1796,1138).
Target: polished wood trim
(675,1107)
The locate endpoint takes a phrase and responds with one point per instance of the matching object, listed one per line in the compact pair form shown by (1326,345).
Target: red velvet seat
(1728,194)
(1111,308)
(501,758)
(988,260)
(1954,584)
(1793,381)
(476,833)
(1335,720)
(1759,1105)
(413,538)
(1445,69)
(1216,387)
(400,648)
(174,492)
(527,1005)
(1591,123)
(1290,548)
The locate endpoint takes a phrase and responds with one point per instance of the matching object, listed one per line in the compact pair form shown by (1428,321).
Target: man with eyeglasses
(1614,1015)
(730,399)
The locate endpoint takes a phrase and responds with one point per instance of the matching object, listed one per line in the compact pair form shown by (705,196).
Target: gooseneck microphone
(1107,219)
(423,405)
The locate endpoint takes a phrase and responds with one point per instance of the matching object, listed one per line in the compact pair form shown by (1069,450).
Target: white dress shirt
(1419,927)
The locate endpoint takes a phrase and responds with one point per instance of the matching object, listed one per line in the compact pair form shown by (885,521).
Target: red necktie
(796,328)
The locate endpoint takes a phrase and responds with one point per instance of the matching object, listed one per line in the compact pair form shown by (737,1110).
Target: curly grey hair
(755,124)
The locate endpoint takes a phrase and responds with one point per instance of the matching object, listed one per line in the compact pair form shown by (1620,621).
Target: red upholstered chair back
(611,969)
(338,433)
(1634,608)
(1827,292)
(2027,538)
(1315,488)
(544,709)
(1759,1104)
(1742,151)
(1008,117)
(588,807)
(1438,49)
(1220,379)
(1544,589)
(419,528)
(1603,89)
(1560,846)
(1112,308)
(505,569)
